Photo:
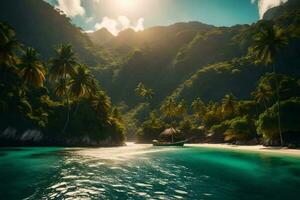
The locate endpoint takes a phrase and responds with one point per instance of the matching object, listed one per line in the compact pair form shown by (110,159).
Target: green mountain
(194,59)
(163,57)
(100,36)
(240,75)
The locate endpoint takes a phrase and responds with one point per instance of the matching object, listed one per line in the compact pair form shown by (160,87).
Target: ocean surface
(146,172)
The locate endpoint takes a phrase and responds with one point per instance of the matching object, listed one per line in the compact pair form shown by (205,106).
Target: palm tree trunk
(172,127)
(278,105)
(68,114)
(68,105)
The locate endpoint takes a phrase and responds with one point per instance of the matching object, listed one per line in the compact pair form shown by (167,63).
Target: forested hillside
(54,103)
(163,57)
(48,95)
(190,64)
(186,75)
(240,75)
(192,59)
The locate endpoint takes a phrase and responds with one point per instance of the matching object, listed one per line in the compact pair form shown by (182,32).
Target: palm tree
(267,45)
(64,63)
(144,92)
(148,93)
(82,82)
(32,69)
(63,66)
(8,44)
(61,85)
(199,108)
(168,108)
(181,109)
(101,104)
(263,95)
(140,89)
(228,105)
(116,113)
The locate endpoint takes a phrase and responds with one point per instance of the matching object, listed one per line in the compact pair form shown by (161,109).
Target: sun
(125,3)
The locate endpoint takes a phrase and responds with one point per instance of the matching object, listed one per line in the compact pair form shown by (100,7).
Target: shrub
(240,129)
(267,124)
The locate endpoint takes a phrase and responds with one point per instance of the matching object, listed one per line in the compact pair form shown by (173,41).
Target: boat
(168,144)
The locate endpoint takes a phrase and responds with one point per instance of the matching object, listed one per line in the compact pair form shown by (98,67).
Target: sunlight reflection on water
(96,172)
(122,153)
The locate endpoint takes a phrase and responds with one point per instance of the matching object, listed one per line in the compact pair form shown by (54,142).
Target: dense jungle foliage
(236,84)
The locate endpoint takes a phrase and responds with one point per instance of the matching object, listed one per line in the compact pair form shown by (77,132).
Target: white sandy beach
(131,150)
(254,148)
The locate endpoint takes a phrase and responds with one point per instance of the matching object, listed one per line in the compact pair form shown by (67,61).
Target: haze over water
(146,172)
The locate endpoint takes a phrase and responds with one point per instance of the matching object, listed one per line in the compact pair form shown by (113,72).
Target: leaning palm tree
(267,45)
(32,69)
(8,44)
(62,67)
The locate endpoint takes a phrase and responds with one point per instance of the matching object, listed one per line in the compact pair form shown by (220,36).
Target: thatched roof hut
(170,131)
(167,135)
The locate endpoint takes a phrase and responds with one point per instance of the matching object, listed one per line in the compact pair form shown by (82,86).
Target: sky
(118,15)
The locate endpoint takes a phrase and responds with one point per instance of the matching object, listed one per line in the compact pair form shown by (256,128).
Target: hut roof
(169,131)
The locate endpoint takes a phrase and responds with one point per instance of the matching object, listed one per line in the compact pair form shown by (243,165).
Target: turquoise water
(145,172)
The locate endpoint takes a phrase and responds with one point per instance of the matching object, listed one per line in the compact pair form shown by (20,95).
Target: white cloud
(124,21)
(109,24)
(121,23)
(71,7)
(264,5)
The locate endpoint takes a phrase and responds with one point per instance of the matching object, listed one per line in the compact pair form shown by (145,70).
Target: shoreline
(222,146)
(249,148)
